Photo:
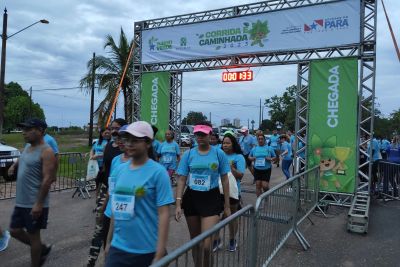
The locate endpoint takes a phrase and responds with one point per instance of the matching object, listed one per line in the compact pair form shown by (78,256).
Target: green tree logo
(258,32)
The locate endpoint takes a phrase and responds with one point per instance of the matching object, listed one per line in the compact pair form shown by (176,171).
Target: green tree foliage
(283,108)
(193,117)
(108,72)
(18,106)
(267,126)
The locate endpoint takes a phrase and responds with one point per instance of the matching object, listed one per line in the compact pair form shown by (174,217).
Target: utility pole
(30,103)
(259,116)
(92,102)
(3,68)
(248,123)
(210,119)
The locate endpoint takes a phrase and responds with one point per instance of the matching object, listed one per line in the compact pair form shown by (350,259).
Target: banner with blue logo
(316,26)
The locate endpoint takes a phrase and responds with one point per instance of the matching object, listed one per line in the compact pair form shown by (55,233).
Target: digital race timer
(237,76)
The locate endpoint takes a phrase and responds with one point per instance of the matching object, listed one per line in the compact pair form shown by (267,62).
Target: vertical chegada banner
(155,101)
(332,123)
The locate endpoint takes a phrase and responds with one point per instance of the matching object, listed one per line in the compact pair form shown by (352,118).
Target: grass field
(66,143)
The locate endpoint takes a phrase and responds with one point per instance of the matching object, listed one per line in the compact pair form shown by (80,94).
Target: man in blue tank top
(37,168)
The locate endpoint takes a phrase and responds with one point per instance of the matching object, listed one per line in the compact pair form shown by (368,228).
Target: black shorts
(202,203)
(248,162)
(120,258)
(262,175)
(22,218)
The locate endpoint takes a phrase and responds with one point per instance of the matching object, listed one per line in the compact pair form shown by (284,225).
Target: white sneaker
(4,240)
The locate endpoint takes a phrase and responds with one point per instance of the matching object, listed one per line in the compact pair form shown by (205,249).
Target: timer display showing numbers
(237,76)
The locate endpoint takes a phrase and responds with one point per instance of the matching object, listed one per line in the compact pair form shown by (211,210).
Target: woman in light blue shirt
(98,147)
(199,171)
(169,153)
(286,155)
(139,204)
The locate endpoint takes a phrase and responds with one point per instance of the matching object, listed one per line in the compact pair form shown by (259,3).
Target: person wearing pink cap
(199,171)
(139,203)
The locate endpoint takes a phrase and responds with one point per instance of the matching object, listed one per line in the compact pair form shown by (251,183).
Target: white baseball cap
(140,129)
(244,129)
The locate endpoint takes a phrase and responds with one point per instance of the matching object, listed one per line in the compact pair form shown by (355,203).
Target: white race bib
(199,182)
(167,159)
(123,207)
(260,162)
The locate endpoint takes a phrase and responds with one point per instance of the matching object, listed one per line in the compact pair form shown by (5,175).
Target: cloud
(55,55)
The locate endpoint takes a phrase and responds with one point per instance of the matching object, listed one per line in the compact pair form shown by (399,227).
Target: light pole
(4,39)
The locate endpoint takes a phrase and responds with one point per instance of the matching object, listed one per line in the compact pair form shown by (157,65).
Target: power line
(57,89)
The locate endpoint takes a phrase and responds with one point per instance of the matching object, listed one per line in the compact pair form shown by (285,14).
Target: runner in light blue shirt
(52,143)
(274,143)
(261,156)
(98,147)
(286,155)
(237,163)
(139,204)
(200,170)
(169,152)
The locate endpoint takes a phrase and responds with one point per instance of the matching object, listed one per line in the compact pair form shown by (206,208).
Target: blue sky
(55,56)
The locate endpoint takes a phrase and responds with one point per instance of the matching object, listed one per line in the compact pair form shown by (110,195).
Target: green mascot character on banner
(331,160)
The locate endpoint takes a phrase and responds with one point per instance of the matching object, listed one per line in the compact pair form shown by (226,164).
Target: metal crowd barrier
(389,180)
(263,230)
(199,249)
(71,173)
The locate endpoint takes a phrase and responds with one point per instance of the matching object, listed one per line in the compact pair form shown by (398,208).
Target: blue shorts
(120,258)
(22,218)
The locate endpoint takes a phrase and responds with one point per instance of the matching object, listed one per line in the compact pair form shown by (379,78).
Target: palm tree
(108,72)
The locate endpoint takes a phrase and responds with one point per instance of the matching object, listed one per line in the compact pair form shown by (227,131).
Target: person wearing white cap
(139,204)
(247,142)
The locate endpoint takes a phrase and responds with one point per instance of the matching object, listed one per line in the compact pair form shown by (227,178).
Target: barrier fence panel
(199,249)
(389,180)
(71,170)
(261,231)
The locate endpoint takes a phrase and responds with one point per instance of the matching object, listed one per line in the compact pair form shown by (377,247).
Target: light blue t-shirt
(286,146)
(299,146)
(385,144)
(261,153)
(203,171)
(239,163)
(247,143)
(115,163)
(98,149)
(169,153)
(292,139)
(375,148)
(156,145)
(218,146)
(51,142)
(274,141)
(150,187)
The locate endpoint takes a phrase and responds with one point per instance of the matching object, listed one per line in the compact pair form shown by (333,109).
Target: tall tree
(108,72)
(283,108)
(18,106)
(193,117)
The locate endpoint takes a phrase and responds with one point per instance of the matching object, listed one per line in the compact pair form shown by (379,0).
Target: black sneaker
(45,252)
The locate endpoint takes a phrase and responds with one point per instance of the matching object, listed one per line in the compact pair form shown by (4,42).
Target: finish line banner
(155,101)
(317,26)
(332,123)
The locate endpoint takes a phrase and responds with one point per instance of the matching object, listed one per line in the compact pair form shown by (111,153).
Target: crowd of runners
(135,187)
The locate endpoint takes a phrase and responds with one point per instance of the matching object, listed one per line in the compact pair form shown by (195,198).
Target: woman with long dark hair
(237,164)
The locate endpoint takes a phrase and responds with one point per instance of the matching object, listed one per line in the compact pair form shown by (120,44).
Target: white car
(185,140)
(8,155)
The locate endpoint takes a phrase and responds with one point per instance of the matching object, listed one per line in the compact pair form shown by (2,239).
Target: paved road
(71,225)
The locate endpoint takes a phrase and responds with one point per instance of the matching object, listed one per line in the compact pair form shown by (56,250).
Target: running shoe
(217,244)
(232,245)
(45,253)
(4,240)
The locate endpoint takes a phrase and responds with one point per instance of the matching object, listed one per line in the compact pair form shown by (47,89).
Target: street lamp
(4,39)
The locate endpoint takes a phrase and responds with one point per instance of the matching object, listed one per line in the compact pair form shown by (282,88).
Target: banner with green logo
(155,101)
(332,123)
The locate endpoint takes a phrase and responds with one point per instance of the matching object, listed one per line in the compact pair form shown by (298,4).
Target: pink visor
(202,128)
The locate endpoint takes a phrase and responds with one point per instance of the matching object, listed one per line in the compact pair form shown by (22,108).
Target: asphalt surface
(71,225)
